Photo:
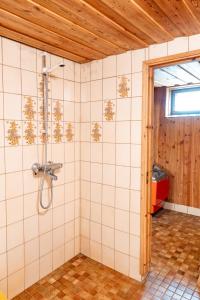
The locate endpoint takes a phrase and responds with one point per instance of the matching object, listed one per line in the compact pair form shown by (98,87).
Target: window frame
(170,103)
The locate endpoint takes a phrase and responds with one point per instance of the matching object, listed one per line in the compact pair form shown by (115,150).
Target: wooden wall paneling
(41,16)
(92,20)
(176,149)
(40,45)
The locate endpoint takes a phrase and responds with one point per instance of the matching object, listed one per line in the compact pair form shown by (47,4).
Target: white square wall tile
(3,236)
(108,195)
(13,164)
(15,235)
(124,63)
(14,185)
(15,283)
(135,224)
(134,271)
(15,259)
(2,164)
(77,72)
(12,80)
(3,189)
(109,66)
(96,69)
(85,72)
(96,90)
(69,90)
(157,50)
(108,174)
(95,232)
(108,256)
(3,264)
(10,47)
(135,178)
(123,176)
(136,156)
(136,111)
(122,198)
(109,88)
(137,84)
(123,134)
(108,216)
(123,154)
(31,228)
(31,274)
(95,212)
(194,42)
(69,70)
(31,251)
(45,243)
(1,78)
(122,262)
(28,58)
(29,83)
(108,236)
(1,104)
(122,220)
(135,201)
(12,107)
(85,92)
(178,45)
(14,210)
(3,213)
(138,57)
(46,263)
(135,246)
(122,241)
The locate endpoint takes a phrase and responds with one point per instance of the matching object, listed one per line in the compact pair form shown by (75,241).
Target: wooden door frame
(146,149)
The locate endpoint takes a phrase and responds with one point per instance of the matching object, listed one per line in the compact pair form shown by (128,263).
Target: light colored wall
(110,168)
(33,244)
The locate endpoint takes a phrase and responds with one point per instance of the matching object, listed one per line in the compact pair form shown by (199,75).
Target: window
(183,101)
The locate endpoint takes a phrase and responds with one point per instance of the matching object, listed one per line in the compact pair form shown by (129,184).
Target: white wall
(110,168)
(33,244)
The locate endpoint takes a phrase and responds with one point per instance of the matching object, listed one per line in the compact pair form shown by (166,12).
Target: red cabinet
(160,192)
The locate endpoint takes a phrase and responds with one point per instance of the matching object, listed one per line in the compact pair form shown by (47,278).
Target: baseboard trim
(182,208)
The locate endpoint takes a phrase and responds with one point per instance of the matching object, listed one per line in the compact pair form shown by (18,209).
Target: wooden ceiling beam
(180,15)
(136,16)
(25,27)
(79,12)
(40,45)
(49,20)
(119,19)
(154,11)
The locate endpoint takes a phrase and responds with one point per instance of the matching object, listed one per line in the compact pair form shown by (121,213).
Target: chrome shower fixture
(49,70)
(47,169)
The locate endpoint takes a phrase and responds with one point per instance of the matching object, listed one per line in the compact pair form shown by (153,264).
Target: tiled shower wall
(33,243)
(111,102)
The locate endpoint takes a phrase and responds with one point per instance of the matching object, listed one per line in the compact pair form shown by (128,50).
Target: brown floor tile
(174,271)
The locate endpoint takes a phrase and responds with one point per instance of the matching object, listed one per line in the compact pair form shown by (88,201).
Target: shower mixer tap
(47,169)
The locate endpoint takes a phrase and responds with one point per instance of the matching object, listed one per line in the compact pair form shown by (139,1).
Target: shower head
(49,70)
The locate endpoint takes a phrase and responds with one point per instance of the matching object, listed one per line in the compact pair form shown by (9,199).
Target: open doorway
(171,135)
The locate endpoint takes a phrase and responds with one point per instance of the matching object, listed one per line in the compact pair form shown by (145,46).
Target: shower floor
(174,271)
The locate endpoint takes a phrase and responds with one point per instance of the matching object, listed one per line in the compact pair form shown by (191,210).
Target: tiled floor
(175,266)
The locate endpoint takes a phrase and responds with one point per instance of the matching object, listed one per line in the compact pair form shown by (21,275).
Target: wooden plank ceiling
(84,30)
(176,75)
